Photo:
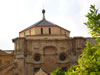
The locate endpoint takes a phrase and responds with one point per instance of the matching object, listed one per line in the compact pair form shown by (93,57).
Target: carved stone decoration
(37,57)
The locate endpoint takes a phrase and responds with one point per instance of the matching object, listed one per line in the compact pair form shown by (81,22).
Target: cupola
(44,28)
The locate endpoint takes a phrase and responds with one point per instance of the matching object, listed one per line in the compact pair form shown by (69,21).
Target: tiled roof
(43,22)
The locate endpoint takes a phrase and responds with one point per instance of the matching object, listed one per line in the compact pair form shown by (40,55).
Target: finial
(43,11)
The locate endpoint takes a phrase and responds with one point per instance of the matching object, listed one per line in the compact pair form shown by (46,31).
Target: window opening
(36,69)
(62,57)
(64,69)
(30,32)
(41,31)
(37,58)
(49,31)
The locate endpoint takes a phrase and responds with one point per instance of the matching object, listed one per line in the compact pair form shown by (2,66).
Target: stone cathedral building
(45,46)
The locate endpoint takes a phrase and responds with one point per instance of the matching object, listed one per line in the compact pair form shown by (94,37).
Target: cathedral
(44,46)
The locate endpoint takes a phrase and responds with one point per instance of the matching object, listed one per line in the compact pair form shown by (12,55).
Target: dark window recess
(16,73)
(37,58)
(65,33)
(24,34)
(0,62)
(41,31)
(78,48)
(62,57)
(36,69)
(64,69)
(30,32)
(49,31)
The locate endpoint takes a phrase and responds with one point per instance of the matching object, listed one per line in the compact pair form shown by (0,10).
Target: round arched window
(37,57)
(62,57)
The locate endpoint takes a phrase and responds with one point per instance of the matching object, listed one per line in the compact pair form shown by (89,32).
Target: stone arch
(50,50)
(49,59)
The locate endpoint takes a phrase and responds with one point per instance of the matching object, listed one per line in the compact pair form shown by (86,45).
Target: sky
(16,15)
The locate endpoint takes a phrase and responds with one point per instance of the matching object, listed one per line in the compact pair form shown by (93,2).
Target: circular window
(37,58)
(62,57)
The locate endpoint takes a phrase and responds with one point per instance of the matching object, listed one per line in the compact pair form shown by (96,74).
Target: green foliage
(89,63)
(58,71)
(93,22)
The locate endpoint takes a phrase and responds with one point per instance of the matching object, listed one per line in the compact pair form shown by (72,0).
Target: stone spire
(43,12)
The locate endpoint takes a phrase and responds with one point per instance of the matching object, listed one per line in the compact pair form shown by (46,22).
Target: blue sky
(16,15)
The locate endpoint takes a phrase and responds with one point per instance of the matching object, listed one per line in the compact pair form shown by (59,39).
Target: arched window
(41,31)
(24,34)
(62,57)
(49,31)
(30,32)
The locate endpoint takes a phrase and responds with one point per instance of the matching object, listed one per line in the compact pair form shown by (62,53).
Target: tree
(58,71)
(93,22)
(89,63)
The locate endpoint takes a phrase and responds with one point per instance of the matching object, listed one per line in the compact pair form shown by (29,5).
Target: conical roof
(42,22)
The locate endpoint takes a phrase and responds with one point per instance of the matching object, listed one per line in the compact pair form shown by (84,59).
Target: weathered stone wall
(49,51)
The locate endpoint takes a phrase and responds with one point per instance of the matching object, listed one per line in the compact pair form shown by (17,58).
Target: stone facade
(49,52)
